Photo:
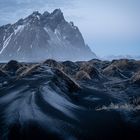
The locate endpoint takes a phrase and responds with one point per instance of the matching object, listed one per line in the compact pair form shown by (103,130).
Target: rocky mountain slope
(41,36)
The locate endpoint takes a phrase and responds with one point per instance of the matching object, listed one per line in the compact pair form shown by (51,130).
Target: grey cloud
(12,10)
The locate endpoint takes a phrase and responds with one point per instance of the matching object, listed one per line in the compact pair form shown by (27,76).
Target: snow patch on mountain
(6,43)
(19,29)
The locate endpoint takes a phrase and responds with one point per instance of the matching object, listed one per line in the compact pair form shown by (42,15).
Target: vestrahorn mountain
(42,36)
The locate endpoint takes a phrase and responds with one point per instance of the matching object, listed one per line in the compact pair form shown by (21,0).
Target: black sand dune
(48,101)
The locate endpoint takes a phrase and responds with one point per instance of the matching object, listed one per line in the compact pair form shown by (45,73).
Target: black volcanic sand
(40,105)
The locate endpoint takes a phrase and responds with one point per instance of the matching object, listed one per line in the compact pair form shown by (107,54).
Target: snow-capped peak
(41,36)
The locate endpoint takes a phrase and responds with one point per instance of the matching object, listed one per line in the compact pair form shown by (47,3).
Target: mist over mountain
(117,57)
(42,36)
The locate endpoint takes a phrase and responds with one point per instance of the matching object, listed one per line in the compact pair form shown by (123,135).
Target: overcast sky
(108,26)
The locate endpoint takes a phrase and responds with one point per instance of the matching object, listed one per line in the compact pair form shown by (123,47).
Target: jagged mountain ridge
(41,36)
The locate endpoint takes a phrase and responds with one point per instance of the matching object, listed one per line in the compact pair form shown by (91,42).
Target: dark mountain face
(41,36)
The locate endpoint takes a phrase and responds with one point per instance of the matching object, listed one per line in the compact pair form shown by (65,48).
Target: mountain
(41,36)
